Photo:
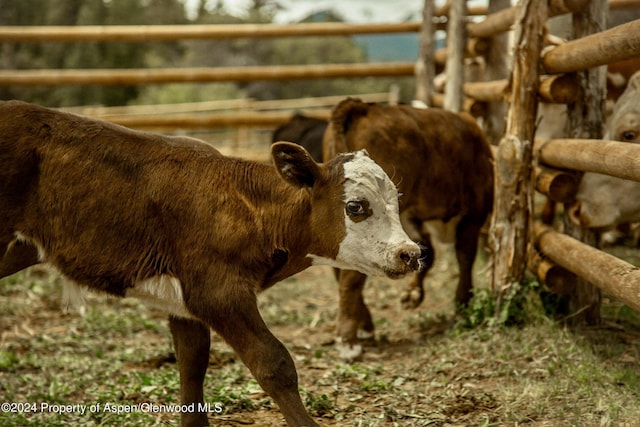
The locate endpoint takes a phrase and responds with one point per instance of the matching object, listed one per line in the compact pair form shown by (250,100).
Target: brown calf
(443,168)
(175,223)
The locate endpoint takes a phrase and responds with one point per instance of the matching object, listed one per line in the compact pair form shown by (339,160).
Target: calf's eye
(358,210)
(628,136)
(355,208)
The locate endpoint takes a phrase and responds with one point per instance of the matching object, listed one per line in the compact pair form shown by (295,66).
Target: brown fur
(110,207)
(442,166)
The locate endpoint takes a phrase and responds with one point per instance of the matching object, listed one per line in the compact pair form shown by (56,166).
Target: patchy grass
(428,367)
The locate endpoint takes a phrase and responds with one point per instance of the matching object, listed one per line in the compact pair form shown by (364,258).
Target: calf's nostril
(406,257)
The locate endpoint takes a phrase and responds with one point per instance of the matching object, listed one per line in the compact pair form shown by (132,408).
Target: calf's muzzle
(415,256)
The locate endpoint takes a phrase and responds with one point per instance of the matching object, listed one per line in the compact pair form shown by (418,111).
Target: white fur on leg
(347,351)
(364,335)
(73,298)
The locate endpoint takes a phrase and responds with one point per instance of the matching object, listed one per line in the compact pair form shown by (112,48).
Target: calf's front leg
(192,341)
(238,321)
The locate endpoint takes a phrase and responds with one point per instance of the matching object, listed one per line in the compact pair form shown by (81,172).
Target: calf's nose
(413,255)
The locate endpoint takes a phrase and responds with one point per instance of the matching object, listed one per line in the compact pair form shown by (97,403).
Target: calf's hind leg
(192,341)
(354,318)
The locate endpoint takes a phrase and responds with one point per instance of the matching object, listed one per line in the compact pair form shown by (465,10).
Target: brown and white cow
(603,200)
(175,223)
(443,168)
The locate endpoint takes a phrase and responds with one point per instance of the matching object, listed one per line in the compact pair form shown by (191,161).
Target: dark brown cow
(443,168)
(305,131)
(175,223)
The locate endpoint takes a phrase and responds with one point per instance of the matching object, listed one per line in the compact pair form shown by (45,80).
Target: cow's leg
(467,233)
(413,294)
(236,318)
(354,318)
(191,340)
(17,256)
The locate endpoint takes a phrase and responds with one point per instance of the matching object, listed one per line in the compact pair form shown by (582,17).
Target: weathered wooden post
(511,223)
(586,120)
(425,65)
(456,41)
(497,68)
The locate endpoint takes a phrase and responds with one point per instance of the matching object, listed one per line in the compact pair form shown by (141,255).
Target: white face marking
(372,245)
(162,292)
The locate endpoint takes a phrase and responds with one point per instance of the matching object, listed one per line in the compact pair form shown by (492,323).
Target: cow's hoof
(411,298)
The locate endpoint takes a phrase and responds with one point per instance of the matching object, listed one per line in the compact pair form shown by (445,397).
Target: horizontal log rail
(559,185)
(558,279)
(145,33)
(619,159)
(559,89)
(192,75)
(503,20)
(614,276)
(493,24)
(244,104)
(212,120)
(612,45)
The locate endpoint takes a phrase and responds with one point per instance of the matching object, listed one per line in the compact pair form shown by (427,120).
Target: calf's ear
(294,164)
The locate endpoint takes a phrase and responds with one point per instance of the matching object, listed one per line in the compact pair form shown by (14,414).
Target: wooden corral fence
(570,75)
(566,73)
(80,34)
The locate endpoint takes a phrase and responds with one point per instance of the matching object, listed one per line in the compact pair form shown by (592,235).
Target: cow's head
(602,200)
(624,123)
(354,216)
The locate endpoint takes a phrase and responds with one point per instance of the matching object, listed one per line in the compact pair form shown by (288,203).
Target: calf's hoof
(349,352)
(411,297)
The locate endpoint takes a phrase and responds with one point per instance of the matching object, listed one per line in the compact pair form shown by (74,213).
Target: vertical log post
(425,66)
(585,120)
(497,68)
(511,222)
(455,55)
